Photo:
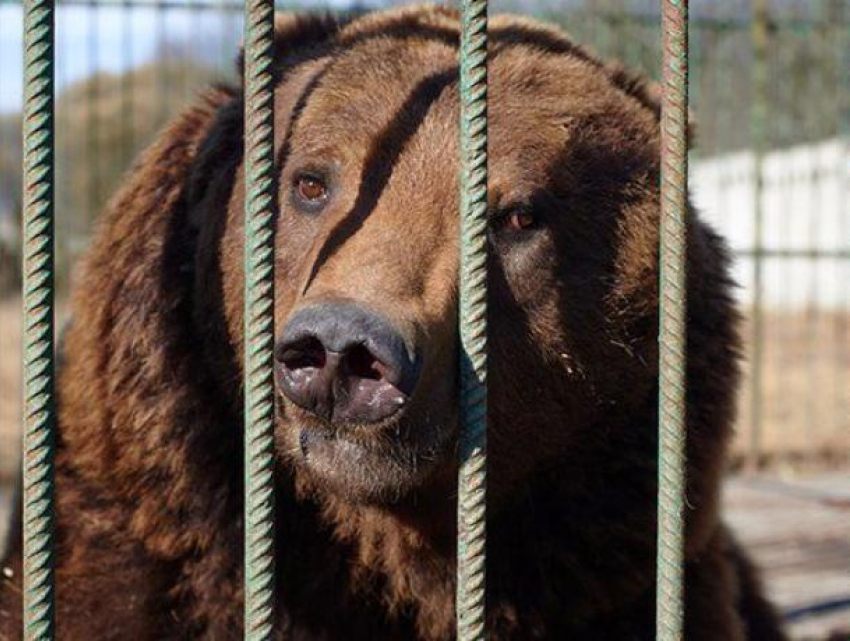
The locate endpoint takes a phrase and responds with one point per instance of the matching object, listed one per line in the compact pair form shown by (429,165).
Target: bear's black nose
(345,364)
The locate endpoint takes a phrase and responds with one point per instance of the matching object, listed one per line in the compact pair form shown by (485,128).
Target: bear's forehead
(411,82)
(553,114)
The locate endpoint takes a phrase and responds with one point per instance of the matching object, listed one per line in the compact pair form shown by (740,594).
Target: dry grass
(805,408)
(806,383)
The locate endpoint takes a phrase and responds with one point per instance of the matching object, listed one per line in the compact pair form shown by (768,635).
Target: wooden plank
(798,531)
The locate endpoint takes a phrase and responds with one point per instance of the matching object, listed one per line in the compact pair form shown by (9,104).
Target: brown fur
(149,466)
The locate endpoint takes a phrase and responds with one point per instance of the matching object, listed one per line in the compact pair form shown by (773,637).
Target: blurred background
(771,170)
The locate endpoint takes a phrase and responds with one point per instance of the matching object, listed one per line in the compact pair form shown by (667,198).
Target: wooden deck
(798,531)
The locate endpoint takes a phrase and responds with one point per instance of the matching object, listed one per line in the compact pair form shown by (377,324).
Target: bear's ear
(298,37)
(646,92)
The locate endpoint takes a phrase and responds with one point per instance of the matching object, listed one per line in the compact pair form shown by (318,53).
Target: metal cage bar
(471,519)
(672,319)
(758,115)
(259,320)
(39,295)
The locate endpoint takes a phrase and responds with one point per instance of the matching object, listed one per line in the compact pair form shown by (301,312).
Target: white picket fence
(806,208)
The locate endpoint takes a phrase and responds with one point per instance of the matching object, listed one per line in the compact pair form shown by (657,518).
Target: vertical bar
(224,58)
(840,18)
(39,416)
(128,83)
(163,59)
(759,123)
(671,339)
(472,481)
(64,229)
(93,100)
(817,396)
(725,80)
(259,320)
(766,354)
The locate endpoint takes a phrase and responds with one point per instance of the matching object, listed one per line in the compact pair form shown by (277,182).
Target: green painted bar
(259,320)
(671,406)
(471,542)
(39,406)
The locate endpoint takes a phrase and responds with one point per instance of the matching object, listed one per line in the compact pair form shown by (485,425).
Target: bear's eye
(519,220)
(310,189)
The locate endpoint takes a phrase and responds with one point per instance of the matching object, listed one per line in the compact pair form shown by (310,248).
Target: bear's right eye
(519,220)
(516,221)
(310,190)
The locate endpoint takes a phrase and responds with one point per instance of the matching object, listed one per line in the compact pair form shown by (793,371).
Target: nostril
(308,352)
(344,364)
(361,363)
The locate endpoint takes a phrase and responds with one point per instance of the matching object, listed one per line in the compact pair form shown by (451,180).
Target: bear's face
(367,257)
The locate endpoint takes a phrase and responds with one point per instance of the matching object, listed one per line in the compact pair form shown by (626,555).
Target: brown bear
(149,470)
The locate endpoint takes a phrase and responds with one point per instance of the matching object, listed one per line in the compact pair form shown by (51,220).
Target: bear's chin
(384,470)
